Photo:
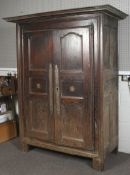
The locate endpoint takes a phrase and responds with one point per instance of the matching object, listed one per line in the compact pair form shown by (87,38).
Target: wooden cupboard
(67,80)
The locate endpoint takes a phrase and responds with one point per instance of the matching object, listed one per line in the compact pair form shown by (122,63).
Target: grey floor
(43,162)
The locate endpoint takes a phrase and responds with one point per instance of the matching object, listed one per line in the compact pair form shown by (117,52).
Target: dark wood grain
(67,81)
(106,9)
(37,59)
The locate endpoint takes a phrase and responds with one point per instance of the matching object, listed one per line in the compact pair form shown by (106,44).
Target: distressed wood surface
(106,9)
(67,81)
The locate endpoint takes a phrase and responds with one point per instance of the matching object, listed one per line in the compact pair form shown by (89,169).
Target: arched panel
(71,52)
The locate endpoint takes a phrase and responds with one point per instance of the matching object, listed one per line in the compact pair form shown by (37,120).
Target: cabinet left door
(37,84)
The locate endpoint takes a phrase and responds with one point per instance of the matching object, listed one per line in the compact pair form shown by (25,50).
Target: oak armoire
(68,81)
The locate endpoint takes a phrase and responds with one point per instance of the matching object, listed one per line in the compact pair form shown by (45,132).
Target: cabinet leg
(24,147)
(98,164)
(115,151)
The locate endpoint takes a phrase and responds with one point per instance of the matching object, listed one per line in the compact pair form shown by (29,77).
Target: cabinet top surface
(105,9)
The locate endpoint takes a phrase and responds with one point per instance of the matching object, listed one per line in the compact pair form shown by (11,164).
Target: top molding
(105,9)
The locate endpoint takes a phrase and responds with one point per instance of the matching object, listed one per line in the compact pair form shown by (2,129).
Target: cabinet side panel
(110,83)
(20,75)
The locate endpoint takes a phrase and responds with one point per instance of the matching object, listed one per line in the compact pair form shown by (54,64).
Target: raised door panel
(71,51)
(74,99)
(40,50)
(38,81)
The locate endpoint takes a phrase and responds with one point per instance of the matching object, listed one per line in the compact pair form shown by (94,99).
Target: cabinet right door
(73,82)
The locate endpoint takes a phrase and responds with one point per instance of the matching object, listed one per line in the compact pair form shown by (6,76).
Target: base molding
(53,147)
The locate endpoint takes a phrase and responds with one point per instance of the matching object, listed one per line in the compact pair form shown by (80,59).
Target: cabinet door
(38,102)
(73,92)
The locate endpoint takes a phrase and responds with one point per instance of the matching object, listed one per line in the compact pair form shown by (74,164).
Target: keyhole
(57,88)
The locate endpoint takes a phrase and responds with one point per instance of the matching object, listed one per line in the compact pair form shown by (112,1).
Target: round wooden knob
(72,88)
